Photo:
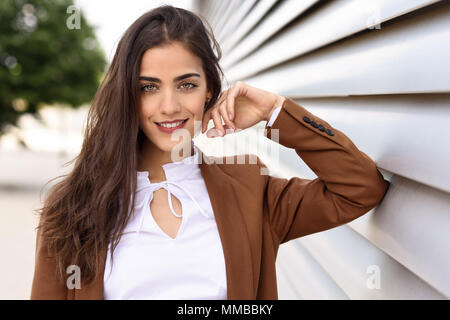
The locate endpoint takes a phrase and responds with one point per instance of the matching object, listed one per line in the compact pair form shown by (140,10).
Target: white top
(149,264)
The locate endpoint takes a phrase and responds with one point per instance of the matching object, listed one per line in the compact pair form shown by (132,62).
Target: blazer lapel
(232,232)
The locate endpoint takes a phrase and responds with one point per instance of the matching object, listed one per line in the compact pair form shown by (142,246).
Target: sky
(111,18)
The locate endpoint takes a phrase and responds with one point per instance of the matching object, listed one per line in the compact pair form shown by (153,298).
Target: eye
(147,87)
(189,83)
(151,87)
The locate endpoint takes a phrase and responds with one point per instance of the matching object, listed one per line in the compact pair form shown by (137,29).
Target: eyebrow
(184,76)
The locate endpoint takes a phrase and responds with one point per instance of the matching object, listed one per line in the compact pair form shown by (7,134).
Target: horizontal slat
(412,225)
(286,290)
(280,17)
(306,276)
(438,222)
(333,21)
(235,19)
(219,10)
(382,126)
(349,259)
(227,15)
(214,10)
(395,81)
(249,22)
(209,7)
(394,59)
(402,134)
(414,217)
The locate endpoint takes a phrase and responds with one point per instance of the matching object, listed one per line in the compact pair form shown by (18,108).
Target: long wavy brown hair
(90,207)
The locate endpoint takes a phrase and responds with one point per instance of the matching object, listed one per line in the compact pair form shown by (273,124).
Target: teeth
(170,125)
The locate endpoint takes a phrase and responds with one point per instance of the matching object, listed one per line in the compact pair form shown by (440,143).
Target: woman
(135,220)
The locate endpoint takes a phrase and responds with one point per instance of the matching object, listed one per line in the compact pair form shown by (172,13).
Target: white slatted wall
(378,70)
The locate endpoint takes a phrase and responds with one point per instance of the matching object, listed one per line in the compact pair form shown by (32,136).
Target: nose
(169,103)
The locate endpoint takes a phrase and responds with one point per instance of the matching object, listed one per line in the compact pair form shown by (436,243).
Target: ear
(208,97)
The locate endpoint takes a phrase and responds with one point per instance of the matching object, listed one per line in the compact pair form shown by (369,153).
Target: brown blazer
(255,213)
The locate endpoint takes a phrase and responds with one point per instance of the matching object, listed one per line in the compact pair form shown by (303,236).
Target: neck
(151,159)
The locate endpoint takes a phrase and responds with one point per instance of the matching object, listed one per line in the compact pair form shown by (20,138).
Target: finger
(205,120)
(212,133)
(217,121)
(229,130)
(224,113)
(207,114)
(231,97)
(221,97)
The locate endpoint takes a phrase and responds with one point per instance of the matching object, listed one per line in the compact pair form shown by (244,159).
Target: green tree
(48,54)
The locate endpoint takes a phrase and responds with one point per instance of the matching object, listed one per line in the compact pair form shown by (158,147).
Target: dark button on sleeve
(321,128)
(329,132)
(306,119)
(314,124)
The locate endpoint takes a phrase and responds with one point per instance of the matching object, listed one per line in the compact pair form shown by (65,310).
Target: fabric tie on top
(148,188)
(165,185)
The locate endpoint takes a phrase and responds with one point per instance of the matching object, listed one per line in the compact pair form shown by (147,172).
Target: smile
(170,127)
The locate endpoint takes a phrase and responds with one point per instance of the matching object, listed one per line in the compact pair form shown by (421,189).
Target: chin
(163,141)
(166,147)
(170,145)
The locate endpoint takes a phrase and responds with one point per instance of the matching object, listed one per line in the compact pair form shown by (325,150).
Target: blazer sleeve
(45,285)
(348,183)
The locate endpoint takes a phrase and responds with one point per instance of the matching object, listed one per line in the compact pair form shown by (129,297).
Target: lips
(171,129)
(171,121)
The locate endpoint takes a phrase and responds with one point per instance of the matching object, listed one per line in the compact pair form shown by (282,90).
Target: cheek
(197,110)
(142,116)
(145,112)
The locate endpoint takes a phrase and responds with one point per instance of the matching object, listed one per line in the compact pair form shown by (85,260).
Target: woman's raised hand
(241,107)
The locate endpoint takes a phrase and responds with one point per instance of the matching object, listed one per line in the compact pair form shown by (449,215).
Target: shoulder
(233,162)
(241,166)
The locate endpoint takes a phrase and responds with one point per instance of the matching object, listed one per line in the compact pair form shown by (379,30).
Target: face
(172,87)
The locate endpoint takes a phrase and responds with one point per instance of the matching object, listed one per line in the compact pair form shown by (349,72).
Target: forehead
(169,61)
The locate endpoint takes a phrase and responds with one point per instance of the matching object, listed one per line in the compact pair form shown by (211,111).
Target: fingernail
(230,116)
(215,133)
